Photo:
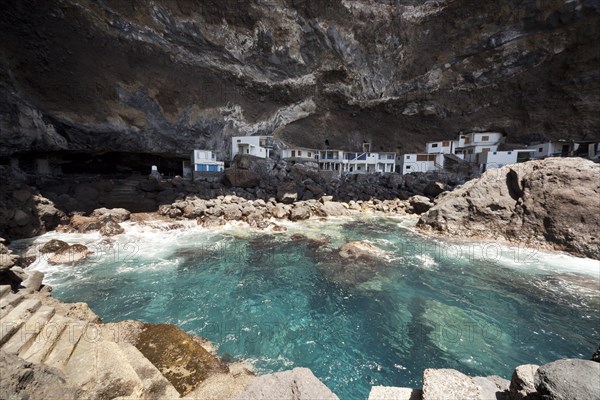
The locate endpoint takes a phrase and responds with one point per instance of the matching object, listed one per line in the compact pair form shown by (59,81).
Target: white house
(552,149)
(443,147)
(205,161)
(360,162)
(386,162)
(331,160)
(497,159)
(258,146)
(409,163)
(477,142)
(299,154)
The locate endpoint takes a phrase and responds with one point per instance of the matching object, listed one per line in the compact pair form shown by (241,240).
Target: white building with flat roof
(258,146)
(299,154)
(477,142)
(206,161)
(497,159)
(409,163)
(386,162)
(557,148)
(441,147)
(331,160)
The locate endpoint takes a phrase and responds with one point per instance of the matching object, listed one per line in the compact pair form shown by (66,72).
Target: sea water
(285,300)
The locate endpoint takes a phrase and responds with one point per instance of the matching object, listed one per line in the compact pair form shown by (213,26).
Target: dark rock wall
(165,76)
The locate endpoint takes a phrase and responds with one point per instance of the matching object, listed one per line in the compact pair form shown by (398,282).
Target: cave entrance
(111,163)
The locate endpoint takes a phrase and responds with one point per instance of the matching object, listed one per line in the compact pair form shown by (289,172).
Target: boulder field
(552,203)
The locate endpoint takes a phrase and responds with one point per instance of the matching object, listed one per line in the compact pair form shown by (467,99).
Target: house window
(293,153)
(510,152)
(485,149)
(247,151)
(309,154)
(299,153)
(445,143)
(408,167)
(540,149)
(408,157)
(434,145)
(422,157)
(485,138)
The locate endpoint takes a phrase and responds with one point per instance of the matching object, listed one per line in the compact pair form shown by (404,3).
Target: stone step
(16,317)
(4,290)
(60,353)
(29,331)
(10,300)
(4,311)
(46,340)
(98,365)
(155,385)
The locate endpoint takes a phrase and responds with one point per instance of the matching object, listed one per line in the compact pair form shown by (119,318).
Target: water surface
(287,300)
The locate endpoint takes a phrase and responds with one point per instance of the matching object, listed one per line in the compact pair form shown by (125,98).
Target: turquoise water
(287,300)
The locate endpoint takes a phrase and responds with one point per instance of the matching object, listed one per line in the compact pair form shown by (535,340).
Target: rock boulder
(297,384)
(568,380)
(552,203)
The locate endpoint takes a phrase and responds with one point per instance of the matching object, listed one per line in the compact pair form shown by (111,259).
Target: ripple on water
(288,300)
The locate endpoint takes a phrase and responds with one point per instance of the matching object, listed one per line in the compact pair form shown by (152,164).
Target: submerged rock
(53,246)
(70,255)
(568,380)
(361,249)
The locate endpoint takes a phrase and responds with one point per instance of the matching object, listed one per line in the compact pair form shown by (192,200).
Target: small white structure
(409,163)
(359,163)
(299,154)
(331,160)
(443,147)
(477,142)
(206,161)
(258,146)
(559,148)
(386,162)
(154,174)
(497,159)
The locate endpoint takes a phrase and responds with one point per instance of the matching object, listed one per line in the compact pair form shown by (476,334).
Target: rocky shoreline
(26,300)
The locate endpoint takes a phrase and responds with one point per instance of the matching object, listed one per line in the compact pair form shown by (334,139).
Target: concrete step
(10,300)
(155,385)
(4,290)
(47,339)
(29,331)
(98,365)
(16,317)
(59,355)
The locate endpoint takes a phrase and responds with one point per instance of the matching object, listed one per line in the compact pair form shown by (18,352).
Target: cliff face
(164,76)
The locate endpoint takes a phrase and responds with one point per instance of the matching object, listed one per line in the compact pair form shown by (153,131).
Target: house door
(565,150)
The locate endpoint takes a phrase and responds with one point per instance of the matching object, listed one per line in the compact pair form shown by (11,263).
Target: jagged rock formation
(166,76)
(548,203)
